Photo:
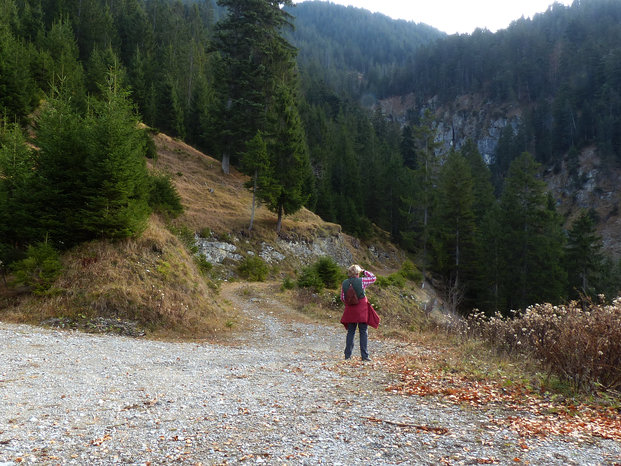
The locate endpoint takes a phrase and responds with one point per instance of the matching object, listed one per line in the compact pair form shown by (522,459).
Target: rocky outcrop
(339,247)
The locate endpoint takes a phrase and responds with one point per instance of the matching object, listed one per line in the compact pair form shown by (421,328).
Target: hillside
(355,52)
(154,281)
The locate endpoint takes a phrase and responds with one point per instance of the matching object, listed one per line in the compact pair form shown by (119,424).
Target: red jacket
(356,313)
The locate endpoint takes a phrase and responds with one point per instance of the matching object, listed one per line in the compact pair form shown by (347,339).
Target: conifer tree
(254,60)
(454,227)
(256,161)
(59,183)
(116,191)
(17,166)
(427,173)
(531,238)
(490,274)
(289,158)
(583,257)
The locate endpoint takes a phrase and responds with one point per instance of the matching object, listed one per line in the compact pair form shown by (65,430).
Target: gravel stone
(279,393)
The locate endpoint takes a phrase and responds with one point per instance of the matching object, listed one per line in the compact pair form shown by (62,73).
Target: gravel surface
(279,394)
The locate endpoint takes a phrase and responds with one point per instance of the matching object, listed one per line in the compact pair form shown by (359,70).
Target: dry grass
(151,280)
(222,203)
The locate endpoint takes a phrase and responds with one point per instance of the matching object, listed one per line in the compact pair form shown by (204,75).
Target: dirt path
(279,393)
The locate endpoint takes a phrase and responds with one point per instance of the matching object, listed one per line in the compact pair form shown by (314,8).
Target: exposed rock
(270,255)
(307,252)
(216,251)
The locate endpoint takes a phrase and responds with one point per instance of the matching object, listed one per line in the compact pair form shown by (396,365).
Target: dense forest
(76,76)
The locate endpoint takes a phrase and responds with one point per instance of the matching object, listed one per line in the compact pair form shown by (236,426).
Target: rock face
(298,251)
(591,187)
(307,252)
(216,251)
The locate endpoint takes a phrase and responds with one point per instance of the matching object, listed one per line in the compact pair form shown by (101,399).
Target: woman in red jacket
(356,314)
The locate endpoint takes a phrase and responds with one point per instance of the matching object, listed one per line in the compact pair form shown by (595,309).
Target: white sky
(456,16)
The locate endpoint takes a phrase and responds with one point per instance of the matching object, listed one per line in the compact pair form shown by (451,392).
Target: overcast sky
(452,16)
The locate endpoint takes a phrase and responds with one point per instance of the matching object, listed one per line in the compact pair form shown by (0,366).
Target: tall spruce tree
(116,191)
(531,238)
(289,158)
(427,173)
(17,165)
(254,60)
(583,257)
(454,228)
(59,185)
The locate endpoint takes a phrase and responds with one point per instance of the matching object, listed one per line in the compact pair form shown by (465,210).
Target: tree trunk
(279,223)
(254,196)
(226,164)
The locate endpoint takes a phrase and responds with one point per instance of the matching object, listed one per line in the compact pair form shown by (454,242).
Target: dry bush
(579,343)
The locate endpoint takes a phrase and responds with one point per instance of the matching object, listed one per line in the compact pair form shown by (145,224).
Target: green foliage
(329,272)
(17,168)
(324,273)
(409,271)
(394,279)
(203,264)
(287,284)
(348,41)
(309,278)
(186,236)
(532,240)
(40,269)
(583,257)
(163,196)
(253,268)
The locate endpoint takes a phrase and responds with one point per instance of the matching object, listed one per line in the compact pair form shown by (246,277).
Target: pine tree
(491,272)
(17,165)
(254,60)
(454,228)
(17,87)
(427,172)
(583,257)
(289,158)
(116,191)
(256,161)
(531,238)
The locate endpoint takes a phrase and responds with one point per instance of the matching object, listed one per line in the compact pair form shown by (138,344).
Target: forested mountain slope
(355,51)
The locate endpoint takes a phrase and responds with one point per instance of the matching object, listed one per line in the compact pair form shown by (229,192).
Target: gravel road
(280,393)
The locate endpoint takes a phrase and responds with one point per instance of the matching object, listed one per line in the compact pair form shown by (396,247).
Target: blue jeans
(364,338)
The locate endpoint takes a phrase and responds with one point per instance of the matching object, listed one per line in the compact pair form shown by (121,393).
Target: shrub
(253,268)
(163,196)
(39,269)
(287,284)
(394,279)
(203,264)
(410,272)
(150,148)
(309,278)
(580,344)
(325,273)
(186,236)
(328,272)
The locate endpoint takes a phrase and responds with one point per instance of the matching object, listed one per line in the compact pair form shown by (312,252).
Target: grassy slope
(153,280)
